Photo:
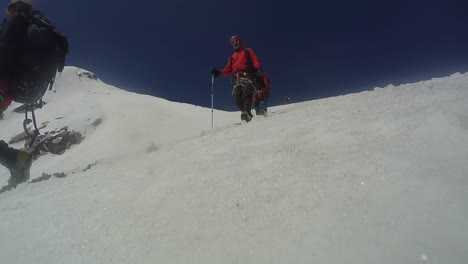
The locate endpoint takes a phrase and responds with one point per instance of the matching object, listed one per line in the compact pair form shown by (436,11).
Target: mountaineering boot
(250,114)
(245,116)
(20,170)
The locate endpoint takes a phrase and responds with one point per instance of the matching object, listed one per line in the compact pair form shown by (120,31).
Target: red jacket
(237,62)
(5,96)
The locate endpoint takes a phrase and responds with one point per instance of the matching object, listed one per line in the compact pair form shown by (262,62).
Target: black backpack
(43,55)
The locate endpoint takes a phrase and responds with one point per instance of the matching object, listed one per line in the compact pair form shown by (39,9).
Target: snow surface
(375,177)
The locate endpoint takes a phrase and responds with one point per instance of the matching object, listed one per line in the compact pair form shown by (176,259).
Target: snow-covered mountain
(375,177)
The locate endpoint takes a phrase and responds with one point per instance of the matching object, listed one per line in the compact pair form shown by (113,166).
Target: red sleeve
(256,64)
(5,96)
(227,68)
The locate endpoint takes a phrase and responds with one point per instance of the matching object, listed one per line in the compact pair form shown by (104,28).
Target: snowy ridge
(141,121)
(374,177)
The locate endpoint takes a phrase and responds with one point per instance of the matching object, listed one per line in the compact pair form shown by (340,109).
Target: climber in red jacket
(245,69)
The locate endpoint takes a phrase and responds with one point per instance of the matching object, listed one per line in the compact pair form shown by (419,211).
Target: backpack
(43,55)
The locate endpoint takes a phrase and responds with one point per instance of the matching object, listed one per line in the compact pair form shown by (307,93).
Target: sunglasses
(235,42)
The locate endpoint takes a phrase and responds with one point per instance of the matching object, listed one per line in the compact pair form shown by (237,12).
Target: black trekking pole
(212,101)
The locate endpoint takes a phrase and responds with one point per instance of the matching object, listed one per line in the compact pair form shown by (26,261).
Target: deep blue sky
(309,49)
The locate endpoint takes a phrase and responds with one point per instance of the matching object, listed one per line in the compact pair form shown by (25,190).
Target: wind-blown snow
(375,177)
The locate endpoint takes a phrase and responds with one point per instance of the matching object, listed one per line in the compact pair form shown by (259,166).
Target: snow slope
(375,177)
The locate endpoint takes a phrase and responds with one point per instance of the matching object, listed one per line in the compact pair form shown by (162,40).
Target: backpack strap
(248,61)
(260,82)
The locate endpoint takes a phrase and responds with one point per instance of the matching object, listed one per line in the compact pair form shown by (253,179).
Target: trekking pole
(212,101)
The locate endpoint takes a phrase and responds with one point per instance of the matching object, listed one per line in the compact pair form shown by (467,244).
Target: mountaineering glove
(261,94)
(214,72)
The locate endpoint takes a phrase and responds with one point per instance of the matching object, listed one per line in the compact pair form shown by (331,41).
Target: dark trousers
(243,89)
(7,155)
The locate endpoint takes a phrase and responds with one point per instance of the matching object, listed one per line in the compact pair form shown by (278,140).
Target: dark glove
(260,95)
(259,73)
(214,72)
